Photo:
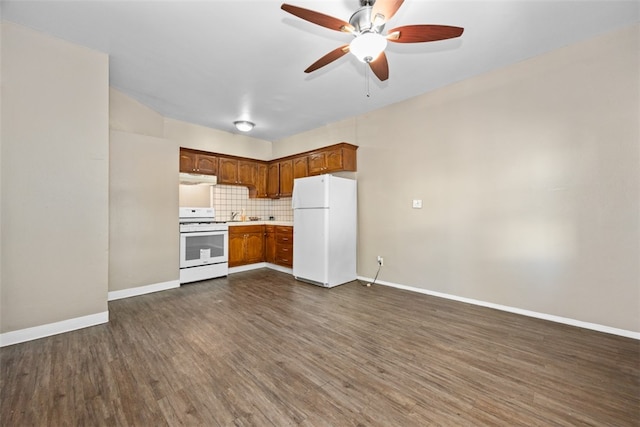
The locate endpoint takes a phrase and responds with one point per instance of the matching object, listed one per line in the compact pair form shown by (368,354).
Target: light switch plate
(417,204)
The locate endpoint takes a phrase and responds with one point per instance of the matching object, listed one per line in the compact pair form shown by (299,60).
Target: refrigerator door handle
(293,197)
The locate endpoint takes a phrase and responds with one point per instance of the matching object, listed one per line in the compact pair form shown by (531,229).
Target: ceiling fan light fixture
(244,125)
(368,46)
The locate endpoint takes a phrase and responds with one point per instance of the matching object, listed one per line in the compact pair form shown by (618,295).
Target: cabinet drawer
(284,255)
(284,261)
(284,250)
(286,239)
(244,229)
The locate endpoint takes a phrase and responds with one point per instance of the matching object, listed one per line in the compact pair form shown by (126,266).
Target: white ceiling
(213,62)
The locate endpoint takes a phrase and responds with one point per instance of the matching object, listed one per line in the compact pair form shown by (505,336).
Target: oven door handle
(203,233)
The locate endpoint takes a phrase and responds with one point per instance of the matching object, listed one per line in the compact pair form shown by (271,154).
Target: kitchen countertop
(260,222)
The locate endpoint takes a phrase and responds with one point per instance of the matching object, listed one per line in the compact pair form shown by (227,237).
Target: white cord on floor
(376,276)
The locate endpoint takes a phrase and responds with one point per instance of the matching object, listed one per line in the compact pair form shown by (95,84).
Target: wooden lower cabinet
(278,245)
(284,246)
(251,244)
(246,245)
(270,243)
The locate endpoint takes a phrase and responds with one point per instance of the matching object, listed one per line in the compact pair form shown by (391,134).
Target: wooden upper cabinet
(237,172)
(317,163)
(300,167)
(286,178)
(247,172)
(227,171)
(333,159)
(262,173)
(207,164)
(273,180)
(194,162)
(187,161)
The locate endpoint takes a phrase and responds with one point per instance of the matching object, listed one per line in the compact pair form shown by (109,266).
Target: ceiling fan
(367,25)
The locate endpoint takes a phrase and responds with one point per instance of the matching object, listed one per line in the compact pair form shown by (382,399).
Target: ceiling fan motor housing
(362,22)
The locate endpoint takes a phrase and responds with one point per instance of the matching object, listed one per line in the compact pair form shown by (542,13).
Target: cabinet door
(255,247)
(187,161)
(317,163)
(270,244)
(228,171)
(207,165)
(333,160)
(261,180)
(236,249)
(247,172)
(286,178)
(198,163)
(273,180)
(300,167)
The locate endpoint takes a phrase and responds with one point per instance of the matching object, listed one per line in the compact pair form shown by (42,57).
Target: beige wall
(217,141)
(342,131)
(143,206)
(54,198)
(128,115)
(529,178)
(144,198)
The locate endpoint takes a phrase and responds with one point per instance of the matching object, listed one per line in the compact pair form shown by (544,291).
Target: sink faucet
(234,215)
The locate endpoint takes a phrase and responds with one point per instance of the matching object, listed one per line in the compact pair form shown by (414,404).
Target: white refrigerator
(324,230)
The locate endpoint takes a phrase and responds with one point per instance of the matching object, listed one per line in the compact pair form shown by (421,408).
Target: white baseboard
(248,267)
(141,290)
(544,316)
(260,265)
(42,331)
(280,268)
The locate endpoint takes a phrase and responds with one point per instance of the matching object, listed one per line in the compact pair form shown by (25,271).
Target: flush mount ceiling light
(244,125)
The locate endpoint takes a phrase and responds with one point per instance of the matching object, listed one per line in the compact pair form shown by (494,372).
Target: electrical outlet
(380,260)
(417,204)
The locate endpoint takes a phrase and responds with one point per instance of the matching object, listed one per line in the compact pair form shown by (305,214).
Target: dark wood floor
(258,348)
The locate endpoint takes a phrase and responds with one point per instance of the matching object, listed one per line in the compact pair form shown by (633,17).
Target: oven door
(204,247)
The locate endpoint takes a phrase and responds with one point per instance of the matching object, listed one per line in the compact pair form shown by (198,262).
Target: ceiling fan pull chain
(366,80)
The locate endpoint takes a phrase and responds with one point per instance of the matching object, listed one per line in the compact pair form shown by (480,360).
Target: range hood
(195,179)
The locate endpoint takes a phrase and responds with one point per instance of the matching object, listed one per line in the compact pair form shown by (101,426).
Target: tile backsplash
(230,198)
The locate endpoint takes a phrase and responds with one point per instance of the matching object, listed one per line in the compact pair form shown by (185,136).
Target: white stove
(204,245)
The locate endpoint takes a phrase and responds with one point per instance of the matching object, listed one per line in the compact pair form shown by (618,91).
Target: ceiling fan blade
(383,10)
(328,58)
(423,33)
(318,18)
(380,67)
